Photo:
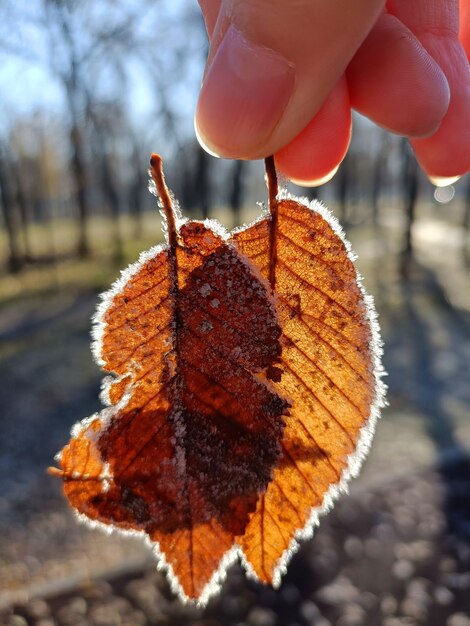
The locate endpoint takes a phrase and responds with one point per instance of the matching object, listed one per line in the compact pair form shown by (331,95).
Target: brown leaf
(246,385)
(330,372)
(194,429)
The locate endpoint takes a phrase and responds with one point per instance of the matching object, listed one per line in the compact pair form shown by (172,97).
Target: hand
(282,76)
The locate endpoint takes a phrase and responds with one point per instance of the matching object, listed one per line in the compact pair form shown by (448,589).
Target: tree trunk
(112,199)
(15,261)
(410,186)
(202,181)
(137,189)
(237,190)
(78,168)
(343,184)
(378,177)
(313,193)
(23,210)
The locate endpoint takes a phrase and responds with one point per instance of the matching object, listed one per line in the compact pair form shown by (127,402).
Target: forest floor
(396,551)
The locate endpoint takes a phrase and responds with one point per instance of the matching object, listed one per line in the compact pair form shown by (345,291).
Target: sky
(27,85)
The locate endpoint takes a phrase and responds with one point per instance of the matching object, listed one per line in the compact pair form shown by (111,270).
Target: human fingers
(464,25)
(272,65)
(210,10)
(313,156)
(445,155)
(395,82)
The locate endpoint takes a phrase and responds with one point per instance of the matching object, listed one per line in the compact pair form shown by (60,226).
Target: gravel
(365,566)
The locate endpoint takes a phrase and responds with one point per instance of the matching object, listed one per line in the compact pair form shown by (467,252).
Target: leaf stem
(156,169)
(273,190)
(176,388)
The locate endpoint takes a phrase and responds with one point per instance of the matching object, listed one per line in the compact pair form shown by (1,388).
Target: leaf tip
(155,161)
(55,471)
(156,171)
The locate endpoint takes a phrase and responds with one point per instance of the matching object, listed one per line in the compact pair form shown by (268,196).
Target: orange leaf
(330,368)
(246,383)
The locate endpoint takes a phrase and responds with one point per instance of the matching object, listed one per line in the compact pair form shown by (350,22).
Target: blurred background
(87,91)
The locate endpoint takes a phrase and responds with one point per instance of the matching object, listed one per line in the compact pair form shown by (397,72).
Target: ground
(396,551)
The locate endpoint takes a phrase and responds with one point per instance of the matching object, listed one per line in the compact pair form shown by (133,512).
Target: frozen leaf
(329,370)
(194,427)
(246,384)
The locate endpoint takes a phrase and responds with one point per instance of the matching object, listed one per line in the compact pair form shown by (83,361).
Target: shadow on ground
(396,552)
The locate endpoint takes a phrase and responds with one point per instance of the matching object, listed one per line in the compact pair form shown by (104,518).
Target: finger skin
(313,156)
(446,153)
(396,83)
(411,100)
(210,10)
(317,38)
(464,26)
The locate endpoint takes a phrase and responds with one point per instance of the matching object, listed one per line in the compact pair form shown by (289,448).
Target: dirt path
(385,556)
(49,381)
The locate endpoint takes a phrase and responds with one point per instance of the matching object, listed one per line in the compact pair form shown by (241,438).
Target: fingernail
(442,181)
(243,96)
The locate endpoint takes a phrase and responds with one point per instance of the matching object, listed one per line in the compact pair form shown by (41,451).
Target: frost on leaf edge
(356,458)
(354,461)
(110,410)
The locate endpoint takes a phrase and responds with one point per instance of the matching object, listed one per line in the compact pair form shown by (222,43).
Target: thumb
(271,65)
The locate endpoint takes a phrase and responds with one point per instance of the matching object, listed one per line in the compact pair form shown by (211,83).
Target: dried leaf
(246,385)
(330,368)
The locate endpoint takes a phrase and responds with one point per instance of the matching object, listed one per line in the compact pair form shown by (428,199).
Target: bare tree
(237,190)
(343,186)
(314,193)
(23,205)
(137,186)
(66,63)
(201,184)
(10,216)
(107,121)
(82,40)
(410,197)
(173,64)
(378,175)
(92,50)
